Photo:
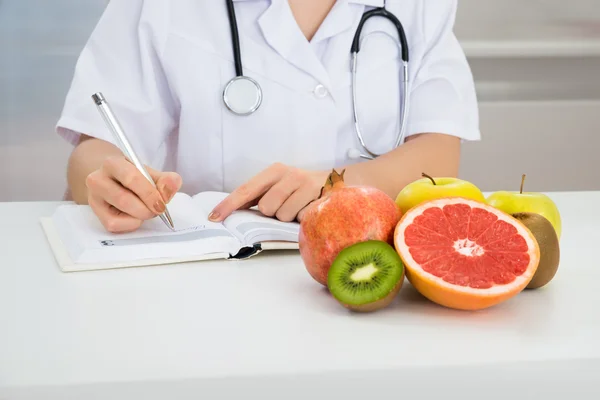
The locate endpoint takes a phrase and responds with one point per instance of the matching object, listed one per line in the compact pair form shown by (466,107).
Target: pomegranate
(342,216)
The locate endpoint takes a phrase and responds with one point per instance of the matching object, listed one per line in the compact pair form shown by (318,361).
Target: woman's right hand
(123,198)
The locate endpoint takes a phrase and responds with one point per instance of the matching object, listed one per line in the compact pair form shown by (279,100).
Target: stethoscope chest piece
(242,95)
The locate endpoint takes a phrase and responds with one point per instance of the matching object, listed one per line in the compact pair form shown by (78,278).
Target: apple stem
(423,174)
(522,183)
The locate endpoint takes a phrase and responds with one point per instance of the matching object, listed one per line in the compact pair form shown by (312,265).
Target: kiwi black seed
(366,276)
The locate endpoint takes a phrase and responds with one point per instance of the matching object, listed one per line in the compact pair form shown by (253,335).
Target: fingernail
(159,207)
(168,193)
(214,216)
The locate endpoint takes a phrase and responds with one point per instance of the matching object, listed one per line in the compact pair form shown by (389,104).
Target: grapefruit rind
(456,296)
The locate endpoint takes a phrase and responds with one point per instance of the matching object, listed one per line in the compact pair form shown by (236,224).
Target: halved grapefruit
(464,254)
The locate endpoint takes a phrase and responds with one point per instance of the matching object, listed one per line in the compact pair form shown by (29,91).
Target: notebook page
(254,227)
(208,200)
(251,226)
(87,241)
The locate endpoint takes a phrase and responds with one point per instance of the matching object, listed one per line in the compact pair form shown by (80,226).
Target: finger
(248,192)
(104,187)
(303,211)
(168,183)
(112,219)
(279,193)
(294,207)
(128,175)
(301,214)
(250,204)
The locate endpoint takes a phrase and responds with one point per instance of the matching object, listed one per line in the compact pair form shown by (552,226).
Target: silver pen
(125,146)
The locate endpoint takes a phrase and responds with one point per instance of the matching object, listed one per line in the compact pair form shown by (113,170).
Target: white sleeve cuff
(71,130)
(444,127)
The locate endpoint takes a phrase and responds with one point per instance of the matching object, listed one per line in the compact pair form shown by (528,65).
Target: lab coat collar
(371,3)
(281,32)
(342,17)
(368,3)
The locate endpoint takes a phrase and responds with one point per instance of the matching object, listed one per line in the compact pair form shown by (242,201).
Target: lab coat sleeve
(443,97)
(122,60)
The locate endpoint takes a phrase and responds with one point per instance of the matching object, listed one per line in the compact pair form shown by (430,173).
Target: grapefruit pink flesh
(464,254)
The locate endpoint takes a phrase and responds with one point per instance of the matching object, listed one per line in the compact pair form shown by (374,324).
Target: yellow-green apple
(518,202)
(428,188)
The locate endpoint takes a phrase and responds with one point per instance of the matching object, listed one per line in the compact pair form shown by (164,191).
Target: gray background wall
(536,64)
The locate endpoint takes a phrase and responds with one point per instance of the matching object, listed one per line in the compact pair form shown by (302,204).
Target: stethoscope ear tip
(353,154)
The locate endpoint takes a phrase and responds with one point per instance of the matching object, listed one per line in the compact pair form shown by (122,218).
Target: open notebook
(80,242)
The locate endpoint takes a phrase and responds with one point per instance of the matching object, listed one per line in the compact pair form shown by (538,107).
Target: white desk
(262,328)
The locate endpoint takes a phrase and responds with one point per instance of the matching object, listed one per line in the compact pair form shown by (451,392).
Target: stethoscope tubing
(403,43)
(382,12)
(403,113)
(235,39)
(355,49)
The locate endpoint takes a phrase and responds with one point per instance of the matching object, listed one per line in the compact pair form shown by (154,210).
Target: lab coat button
(320,91)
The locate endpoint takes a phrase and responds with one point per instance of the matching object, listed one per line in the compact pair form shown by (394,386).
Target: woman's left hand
(279,191)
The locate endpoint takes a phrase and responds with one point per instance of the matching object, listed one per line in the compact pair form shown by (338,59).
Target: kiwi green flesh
(366,276)
(548,242)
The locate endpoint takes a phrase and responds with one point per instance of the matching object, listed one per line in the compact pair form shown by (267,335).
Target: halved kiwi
(366,276)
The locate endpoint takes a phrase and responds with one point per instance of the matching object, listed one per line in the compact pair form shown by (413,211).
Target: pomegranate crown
(334,180)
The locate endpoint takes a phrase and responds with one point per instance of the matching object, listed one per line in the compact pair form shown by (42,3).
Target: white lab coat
(162,65)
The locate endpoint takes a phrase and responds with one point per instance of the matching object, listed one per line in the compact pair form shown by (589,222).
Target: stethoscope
(243,95)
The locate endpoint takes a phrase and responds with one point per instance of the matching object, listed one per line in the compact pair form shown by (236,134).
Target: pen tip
(166,218)
(170,220)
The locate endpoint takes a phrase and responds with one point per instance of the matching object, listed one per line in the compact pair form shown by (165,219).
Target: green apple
(428,188)
(519,202)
